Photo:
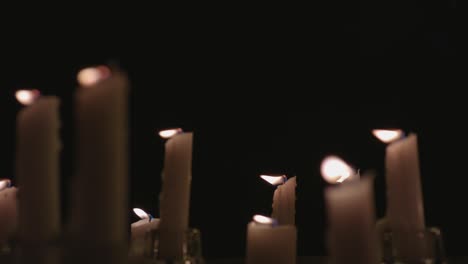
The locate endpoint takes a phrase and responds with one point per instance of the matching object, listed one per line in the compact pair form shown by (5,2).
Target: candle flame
(335,170)
(260,219)
(142,214)
(92,75)
(388,135)
(4,183)
(27,97)
(274,180)
(168,133)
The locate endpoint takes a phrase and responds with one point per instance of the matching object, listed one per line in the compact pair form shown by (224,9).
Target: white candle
(141,236)
(8,210)
(351,233)
(284,199)
(99,197)
(37,168)
(269,243)
(404,195)
(175,195)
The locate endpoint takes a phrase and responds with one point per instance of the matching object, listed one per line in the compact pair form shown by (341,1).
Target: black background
(265,89)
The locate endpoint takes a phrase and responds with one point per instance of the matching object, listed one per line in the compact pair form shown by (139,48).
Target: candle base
(413,247)
(147,252)
(43,252)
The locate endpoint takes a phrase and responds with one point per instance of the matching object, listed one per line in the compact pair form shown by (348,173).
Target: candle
(351,236)
(270,243)
(37,167)
(284,199)
(141,236)
(175,195)
(405,208)
(99,195)
(8,210)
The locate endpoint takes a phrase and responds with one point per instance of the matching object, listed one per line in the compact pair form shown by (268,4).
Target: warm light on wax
(274,180)
(335,170)
(140,213)
(92,75)
(260,219)
(168,133)
(27,97)
(388,135)
(4,183)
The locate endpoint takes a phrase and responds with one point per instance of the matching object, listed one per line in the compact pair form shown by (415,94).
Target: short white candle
(175,195)
(141,233)
(284,199)
(270,243)
(8,210)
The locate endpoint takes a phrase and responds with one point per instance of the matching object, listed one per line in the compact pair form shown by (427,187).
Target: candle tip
(4,183)
(260,219)
(142,214)
(27,97)
(388,135)
(92,75)
(168,133)
(274,180)
(335,170)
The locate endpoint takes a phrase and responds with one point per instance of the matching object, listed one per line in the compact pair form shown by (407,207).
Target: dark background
(265,90)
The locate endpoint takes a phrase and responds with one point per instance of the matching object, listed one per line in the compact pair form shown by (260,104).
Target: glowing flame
(92,75)
(27,97)
(4,183)
(168,133)
(388,135)
(335,170)
(260,219)
(142,214)
(274,180)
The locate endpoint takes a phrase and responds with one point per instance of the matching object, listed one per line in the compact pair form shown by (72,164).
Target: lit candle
(351,236)
(405,208)
(99,196)
(141,236)
(175,193)
(268,242)
(8,210)
(37,167)
(284,199)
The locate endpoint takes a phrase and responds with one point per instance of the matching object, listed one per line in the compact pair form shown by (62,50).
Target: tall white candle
(404,195)
(37,170)
(268,243)
(351,234)
(175,195)
(8,211)
(99,200)
(284,199)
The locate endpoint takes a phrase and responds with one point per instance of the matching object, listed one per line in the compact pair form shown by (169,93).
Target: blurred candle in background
(8,210)
(99,208)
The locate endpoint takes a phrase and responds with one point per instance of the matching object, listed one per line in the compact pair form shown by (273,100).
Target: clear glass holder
(146,250)
(423,247)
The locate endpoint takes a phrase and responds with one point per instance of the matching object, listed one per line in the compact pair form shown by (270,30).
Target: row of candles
(102,171)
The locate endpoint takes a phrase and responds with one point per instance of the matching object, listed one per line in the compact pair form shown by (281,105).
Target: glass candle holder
(423,247)
(145,250)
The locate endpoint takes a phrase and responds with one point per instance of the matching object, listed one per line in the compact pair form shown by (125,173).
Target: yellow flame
(142,214)
(274,180)
(4,183)
(388,135)
(335,170)
(27,97)
(92,75)
(260,219)
(168,133)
